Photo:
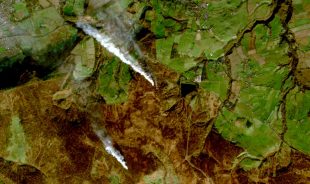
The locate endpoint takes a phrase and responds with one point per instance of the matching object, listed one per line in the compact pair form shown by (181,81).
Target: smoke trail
(108,145)
(107,42)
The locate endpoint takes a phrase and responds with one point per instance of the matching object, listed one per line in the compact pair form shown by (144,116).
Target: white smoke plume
(108,145)
(107,42)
